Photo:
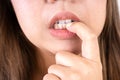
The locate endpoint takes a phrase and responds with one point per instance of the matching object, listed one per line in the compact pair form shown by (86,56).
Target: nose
(52,1)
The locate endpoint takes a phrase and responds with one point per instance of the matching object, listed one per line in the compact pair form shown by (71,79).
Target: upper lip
(62,16)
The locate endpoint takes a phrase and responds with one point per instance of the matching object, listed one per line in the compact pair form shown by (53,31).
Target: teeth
(64,21)
(69,21)
(61,24)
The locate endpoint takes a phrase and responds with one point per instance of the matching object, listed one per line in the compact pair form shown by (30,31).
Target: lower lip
(62,34)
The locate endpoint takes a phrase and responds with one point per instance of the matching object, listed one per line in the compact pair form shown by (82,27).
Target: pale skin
(60,60)
(88,65)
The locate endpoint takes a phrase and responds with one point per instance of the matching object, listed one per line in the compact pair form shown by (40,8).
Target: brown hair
(16,52)
(109,42)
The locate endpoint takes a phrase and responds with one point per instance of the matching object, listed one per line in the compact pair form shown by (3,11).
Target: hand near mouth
(74,67)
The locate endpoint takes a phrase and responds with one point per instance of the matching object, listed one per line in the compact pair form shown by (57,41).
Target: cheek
(26,12)
(96,15)
(96,23)
(29,17)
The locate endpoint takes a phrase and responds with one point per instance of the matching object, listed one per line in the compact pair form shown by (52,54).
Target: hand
(74,67)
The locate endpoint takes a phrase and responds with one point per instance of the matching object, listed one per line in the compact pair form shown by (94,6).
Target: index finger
(90,47)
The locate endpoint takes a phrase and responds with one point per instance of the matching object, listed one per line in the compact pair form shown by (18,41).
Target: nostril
(51,1)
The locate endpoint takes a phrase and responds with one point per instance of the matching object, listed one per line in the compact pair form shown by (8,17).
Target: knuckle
(88,71)
(100,67)
(75,75)
(50,77)
(94,68)
(47,77)
(52,67)
(58,54)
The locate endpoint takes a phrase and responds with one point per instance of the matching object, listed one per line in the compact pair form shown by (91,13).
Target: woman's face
(41,21)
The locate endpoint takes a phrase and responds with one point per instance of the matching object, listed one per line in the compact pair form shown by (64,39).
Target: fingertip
(69,27)
(72,27)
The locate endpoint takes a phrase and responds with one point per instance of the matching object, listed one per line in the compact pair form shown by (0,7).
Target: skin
(58,54)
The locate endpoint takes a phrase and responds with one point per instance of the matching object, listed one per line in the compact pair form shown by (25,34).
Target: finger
(65,73)
(90,48)
(69,59)
(60,71)
(50,77)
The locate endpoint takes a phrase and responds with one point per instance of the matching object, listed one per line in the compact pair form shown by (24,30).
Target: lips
(63,16)
(62,33)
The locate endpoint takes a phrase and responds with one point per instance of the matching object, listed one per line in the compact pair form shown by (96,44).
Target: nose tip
(52,1)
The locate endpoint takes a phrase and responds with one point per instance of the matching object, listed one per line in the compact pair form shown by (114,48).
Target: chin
(72,49)
(55,46)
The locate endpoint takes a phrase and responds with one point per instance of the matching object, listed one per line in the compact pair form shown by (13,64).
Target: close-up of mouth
(58,25)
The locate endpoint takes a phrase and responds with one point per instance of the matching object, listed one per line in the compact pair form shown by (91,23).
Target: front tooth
(64,26)
(61,24)
(62,21)
(69,21)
